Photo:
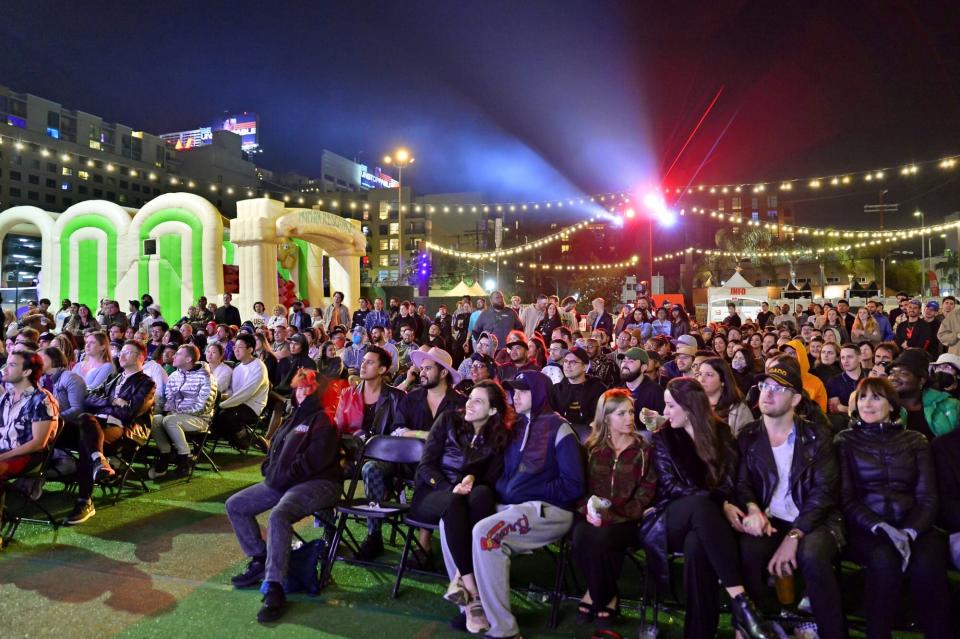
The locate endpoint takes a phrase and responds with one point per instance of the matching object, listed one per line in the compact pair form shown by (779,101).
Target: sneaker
(371,548)
(82,510)
(476,619)
(419,560)
(274,600)
(252,576)
(159,468)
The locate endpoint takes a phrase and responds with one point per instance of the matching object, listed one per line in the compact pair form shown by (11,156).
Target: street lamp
(401,159)
(922,251)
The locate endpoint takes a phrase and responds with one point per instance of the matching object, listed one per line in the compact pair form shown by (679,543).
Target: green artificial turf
(158,564)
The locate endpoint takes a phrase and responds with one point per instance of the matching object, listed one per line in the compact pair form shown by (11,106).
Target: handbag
(303,569)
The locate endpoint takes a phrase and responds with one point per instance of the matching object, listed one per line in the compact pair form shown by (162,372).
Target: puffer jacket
(679,474)
(193,392)
(887,474)
(814,474)
(452,452)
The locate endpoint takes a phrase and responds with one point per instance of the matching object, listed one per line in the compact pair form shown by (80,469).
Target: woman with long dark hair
(551,321)
(82,322)
(679,320)
(695,459)
(719,345)
(455,481)
(718,381)
(661,325)
(888,490)
(620,471)
(745,367)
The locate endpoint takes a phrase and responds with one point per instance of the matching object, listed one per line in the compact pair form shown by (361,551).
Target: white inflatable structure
(175,247)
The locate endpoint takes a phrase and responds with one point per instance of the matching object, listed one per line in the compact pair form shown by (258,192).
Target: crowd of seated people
(758,449)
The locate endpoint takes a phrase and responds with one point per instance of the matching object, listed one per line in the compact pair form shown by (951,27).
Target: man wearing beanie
(928,411)
(541,482)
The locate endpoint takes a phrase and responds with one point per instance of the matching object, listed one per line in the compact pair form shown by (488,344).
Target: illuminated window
(394,245)
(394,228)
(384,260)
(95,144)
(83,175)
(383,245)
(564,248)
(384,213)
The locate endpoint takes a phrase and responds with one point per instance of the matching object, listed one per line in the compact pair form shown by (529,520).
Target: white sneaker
(476,619)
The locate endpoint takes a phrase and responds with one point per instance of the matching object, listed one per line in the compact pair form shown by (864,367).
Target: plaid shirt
(34,405)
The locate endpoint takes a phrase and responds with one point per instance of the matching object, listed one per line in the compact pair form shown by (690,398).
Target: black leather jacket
(136,414)
(451,453)
(680,474)
(814,474)
(887,475)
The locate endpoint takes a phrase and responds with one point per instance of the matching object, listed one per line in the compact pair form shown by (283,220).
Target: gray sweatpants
(169,429)
(514,529)
(288,506)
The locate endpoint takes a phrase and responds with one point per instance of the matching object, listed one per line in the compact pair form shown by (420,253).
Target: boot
(184,465)
(160,466)
(748,621)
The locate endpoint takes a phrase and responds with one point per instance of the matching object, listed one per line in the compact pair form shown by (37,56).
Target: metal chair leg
(557,595)
(403,561)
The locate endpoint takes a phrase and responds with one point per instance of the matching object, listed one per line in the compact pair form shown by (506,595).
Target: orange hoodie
(811,383)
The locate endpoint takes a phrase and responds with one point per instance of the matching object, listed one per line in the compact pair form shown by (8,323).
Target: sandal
(610,615)
(584,613)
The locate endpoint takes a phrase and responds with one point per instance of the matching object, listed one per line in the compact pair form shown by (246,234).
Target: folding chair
(198,450)
(412,525)
(126,452)
(9,522)
(397,450)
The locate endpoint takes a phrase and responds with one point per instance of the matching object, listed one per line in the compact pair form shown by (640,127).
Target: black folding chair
(198,450)
(397,450)
(24,485)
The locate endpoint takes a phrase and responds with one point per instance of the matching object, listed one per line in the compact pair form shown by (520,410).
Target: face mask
(943,381)
(357,339)
(738,365)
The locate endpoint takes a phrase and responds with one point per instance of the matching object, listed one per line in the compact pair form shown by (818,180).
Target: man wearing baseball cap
(944,374)
(517,349)
(646,393)
(575,397)
(932,316)
(787,498)
(541,482)
(682,363)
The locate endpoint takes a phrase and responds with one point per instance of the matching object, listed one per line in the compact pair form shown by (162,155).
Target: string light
(522,248)
(535,266)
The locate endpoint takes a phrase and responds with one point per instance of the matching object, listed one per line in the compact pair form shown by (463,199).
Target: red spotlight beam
(693,133)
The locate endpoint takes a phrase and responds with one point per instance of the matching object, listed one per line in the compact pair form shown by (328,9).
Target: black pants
(429,504)
(697,528)
(926,579)
(599,554)
(230,421)
(94,436)
(463,512)
(815,561)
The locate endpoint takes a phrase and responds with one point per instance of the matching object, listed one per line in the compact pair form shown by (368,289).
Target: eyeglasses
(772,387)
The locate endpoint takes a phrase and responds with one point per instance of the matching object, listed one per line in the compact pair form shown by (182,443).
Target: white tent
(739,291)
(460,290)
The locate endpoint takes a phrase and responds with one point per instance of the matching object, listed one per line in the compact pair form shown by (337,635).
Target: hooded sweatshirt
(542,462)
(811,383)
(305,447)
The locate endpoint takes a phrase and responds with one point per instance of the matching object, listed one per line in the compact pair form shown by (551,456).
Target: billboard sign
(377,179)
(186,140)
(243,124)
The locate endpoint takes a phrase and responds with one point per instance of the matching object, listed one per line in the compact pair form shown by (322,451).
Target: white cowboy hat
(441,358)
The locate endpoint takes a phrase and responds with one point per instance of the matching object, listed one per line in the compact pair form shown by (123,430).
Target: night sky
(528,100)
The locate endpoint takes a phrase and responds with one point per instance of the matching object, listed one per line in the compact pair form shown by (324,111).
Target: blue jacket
(884,325)
(543,463)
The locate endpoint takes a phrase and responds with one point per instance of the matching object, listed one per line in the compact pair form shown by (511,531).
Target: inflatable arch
(175,248)
(44,223)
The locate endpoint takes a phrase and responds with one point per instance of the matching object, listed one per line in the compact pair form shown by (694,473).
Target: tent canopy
(462,289)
